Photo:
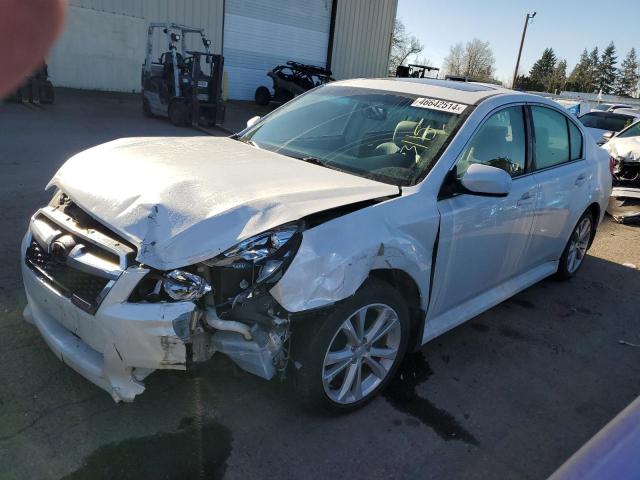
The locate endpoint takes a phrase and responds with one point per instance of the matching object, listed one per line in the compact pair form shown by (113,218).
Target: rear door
(565,178)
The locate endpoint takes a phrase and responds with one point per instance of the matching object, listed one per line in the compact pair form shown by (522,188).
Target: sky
(567,26)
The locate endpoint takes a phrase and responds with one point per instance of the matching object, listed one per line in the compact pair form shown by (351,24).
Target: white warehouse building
(103,44)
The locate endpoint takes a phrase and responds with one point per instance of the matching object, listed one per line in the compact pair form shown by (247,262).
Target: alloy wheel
(361,353)
(579,244)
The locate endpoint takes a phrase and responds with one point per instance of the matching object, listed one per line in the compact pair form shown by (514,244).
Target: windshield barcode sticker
(442,105)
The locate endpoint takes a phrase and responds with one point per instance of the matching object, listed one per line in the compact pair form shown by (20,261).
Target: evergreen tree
(592,76)
(559,77)
(607,69)
(542,71)
(628,76)
(579,79)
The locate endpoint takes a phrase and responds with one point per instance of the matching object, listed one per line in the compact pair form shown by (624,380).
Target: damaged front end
(624,203)
(115,320)
(235,314)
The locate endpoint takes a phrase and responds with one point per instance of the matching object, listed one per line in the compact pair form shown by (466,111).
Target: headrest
(403,129)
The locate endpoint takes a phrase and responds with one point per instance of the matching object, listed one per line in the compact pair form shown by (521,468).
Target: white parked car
(360,220)
(624,149)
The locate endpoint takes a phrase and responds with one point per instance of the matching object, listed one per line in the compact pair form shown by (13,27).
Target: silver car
(356,222)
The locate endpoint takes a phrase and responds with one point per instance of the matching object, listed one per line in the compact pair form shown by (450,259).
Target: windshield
(381,135)
(606,121)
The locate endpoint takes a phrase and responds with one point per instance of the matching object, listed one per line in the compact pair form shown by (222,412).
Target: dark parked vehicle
(602,125)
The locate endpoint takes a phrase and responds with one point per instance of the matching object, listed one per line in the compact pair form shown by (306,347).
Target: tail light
(611,165)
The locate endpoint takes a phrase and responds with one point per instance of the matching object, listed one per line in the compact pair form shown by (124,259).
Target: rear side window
(551,137)
(576,141)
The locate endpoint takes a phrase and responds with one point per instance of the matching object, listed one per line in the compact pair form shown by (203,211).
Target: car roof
(470,93)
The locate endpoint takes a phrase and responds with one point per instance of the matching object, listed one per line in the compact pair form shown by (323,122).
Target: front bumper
(119,345)
(624,204)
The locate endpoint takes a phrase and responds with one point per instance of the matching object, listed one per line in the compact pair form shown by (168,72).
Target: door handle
(523,199)
(581,179)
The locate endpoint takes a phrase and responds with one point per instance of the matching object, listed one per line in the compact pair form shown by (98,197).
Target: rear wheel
(355,352)
(178,113)
(262,96)
(576,249)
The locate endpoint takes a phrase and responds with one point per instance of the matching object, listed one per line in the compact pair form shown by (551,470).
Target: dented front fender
(336,257)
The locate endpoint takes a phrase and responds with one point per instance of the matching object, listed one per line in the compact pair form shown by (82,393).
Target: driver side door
(483,238)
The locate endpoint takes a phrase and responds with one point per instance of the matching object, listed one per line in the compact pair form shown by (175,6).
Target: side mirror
(252,121)
(486,180)
(608,135)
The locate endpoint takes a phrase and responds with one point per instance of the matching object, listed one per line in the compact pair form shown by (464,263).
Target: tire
(178,113)
(262,96)
(312,351)
(146,108)
(47,95)
(576,249)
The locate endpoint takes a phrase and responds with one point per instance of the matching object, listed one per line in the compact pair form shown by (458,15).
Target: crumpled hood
(625,148)
(184,200)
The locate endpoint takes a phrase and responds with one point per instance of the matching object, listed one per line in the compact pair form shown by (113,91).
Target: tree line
(593,73)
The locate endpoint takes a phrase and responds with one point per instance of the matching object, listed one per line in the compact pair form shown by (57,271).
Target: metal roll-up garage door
(260,34)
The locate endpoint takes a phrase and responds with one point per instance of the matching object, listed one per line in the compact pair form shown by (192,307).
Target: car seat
(403,129)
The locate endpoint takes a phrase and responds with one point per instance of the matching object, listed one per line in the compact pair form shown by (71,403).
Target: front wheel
(576,249)
(178,113)
(355,352)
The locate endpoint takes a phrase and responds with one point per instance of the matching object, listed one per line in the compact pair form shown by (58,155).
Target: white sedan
(356,222)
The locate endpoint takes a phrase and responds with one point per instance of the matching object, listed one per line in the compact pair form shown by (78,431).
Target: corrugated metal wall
(362,38)
(196,13)
(100,32)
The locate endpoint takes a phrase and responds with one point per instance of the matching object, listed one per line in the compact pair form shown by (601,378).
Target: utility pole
(524,32)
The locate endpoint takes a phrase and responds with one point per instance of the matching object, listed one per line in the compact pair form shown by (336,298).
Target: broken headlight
(180,285)
(172,286)
(266,255)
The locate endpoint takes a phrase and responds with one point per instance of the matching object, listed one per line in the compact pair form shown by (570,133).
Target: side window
(576,141)
(551,137)
(500,142)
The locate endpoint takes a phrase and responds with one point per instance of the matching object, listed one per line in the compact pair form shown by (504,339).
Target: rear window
(606,121)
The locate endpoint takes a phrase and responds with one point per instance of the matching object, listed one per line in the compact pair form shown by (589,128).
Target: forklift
(183,85)
(35,89)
